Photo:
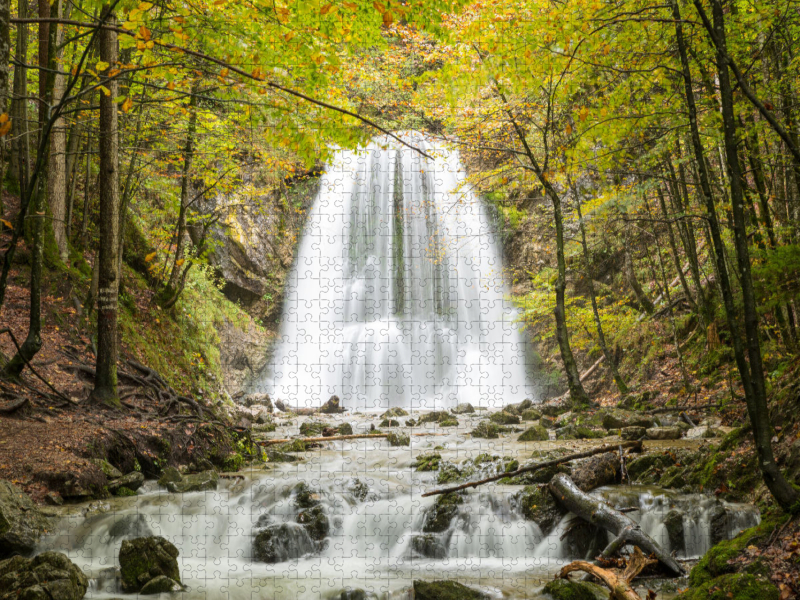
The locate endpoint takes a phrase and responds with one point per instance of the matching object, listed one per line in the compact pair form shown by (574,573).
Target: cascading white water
(397,293)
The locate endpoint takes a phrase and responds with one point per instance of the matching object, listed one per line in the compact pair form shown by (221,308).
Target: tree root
(618,583)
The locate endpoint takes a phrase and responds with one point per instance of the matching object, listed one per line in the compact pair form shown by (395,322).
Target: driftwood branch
(543,465)
(334,438)
(620,585)
(593,510)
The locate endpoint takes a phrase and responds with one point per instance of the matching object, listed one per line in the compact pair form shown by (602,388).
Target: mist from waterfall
(397,296)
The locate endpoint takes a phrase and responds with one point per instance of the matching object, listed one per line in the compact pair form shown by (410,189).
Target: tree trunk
(21,155)
(676,258)
(105,385)
(595,511)
(755,396)
(601,337)
(5,70)
(56,181)
(630,276)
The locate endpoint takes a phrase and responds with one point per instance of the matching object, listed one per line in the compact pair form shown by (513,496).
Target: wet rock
(398,439)
(547,422)
(535,434)
(633,433)
(504,418)
(614,418)
(281,457)
(537,504)
(305,496)
(565,589)
(463,409)
(664,433)
(199,465)
(389,423)
(261,400)
(720,524)
(672,478)
(313,428)
(488,430)
(143,559)
(540,475)
(357,594)
(579,432)
(673,522)
(411,423)
(583,540)
(280,405)
(316,522)
(160,585)
(332,406)
(438,517)
(553,410)
(445,590)
(394,412)
(530,414)
(169,475)
(53,499)
(21,523)
(199,482)
(132,482)
(358,489)
(638,466)
(130,526)
(47,576)
(596,471)
(429,546)
(279,543)
(428,462)
(106,467)
(441,417)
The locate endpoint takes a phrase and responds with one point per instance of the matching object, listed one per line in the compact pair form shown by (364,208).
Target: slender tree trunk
(86,196)
(56,184)
(601,337)
(5,71)
(783,492)
(676,258)
(105,385)
(21,154)
(630,276)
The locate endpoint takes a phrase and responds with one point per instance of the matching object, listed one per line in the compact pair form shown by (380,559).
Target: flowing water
(371,495)
(397,294)
(396,299)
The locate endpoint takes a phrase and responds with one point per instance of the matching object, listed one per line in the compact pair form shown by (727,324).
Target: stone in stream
(305,496)
(160,585)
(504,418)
(564,589)
(130,526)
(633,433)
(445,590)
(398,439)
(531,414)
(332,406)
(614,418)
(106,467)
(47,576)
(664,433)
(279,543)
(169,475)
(144,559)
(316,522)
(444,510)
(535,434)
(262,400)
(21,522)
(394,412)
(488,430)
(464,408)
(127,483)
(199,482)
(429,545)
(596,471)
(673,522)
(536,504)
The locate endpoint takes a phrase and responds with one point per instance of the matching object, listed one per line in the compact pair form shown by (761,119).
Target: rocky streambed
(346,519)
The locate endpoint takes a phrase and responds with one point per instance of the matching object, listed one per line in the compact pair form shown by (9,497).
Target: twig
(543,465)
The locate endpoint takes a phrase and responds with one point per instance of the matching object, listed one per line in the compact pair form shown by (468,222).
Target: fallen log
(334,438)
(543,465)
(593,510)
(619,584)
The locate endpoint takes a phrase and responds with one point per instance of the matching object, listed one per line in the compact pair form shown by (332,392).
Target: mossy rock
(305,496)
(547,422)
(488,430)
(107,468)
(578,432)
(673,478)
(313,428)
(564,589)
(715,562)
(293,446)
(449,473)
(632,433)
(127,483)
(531,414)
(199,482)
(394,412)
(169,475)
(21,522)
(160,585)
(277,456)
(437,416)
(553,410)
(734,586)
(47,576)
(645,462)
(428,462)
(445,590)
(537,504)
(145,558)
(316,522)
(465,408)
(389,423)
(429,545)
(614,418)
(535,434)
(344,429)
(398,439)
(438,517)
(538,476)
(504,418)
(279,543)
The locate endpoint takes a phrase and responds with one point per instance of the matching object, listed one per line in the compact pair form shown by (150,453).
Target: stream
(371,494)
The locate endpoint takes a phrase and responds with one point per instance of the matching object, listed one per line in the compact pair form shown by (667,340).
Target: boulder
(579,432)
(427,462)
(429,546)
(632,433)
(673,523)
(21,522)
(596,471)
(504,418)
(199,482)
(106,467)
(463,409)
(130,526)
(488,430)
(639,466)
(553,410)
(564,589)
(258,400)
(47,576)
(143,559)
(281,457)
(358,490)
(398,439)
(169,475)
(535,434)
(316,522)
(438,517)
(279,543)
(440,417)
(313,428)
(160,584)
(389,423)
(664,433)
(395,412)
(332,406)
(614,418)
(537,504)
(547,422)
(530,414)
(445,590)
(132,481)
(306,496)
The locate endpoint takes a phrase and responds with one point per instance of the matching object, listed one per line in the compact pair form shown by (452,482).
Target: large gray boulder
(48,576)
(127,483)
(21,522)
(143,559)
(199,482)
(279,543)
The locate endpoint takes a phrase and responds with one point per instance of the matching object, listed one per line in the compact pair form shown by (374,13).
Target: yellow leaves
(145,6)
(144,33)
(150,256)
(258,73)
(289,36)
(171,85)
(105,90)
(180,262)
(102,66)
(388,18)
(282,13)
(326,9)
(127,105)
(583,113)
(7,224)
(350,5)
(379,7)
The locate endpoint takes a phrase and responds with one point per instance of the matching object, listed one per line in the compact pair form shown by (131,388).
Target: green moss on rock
(504,418)
(734,586)
(564,589)
(488,430)
(536,504)
(143,559)
(428,462)
(438,517)
(445,590)
(535,434)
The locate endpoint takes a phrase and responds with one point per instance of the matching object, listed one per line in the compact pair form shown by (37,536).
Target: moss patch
(734,586)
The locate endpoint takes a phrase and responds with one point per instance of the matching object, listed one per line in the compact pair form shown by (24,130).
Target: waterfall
(396,297)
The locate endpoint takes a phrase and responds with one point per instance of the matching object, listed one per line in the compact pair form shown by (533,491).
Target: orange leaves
(127,105)
(5,124)
(326,9)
